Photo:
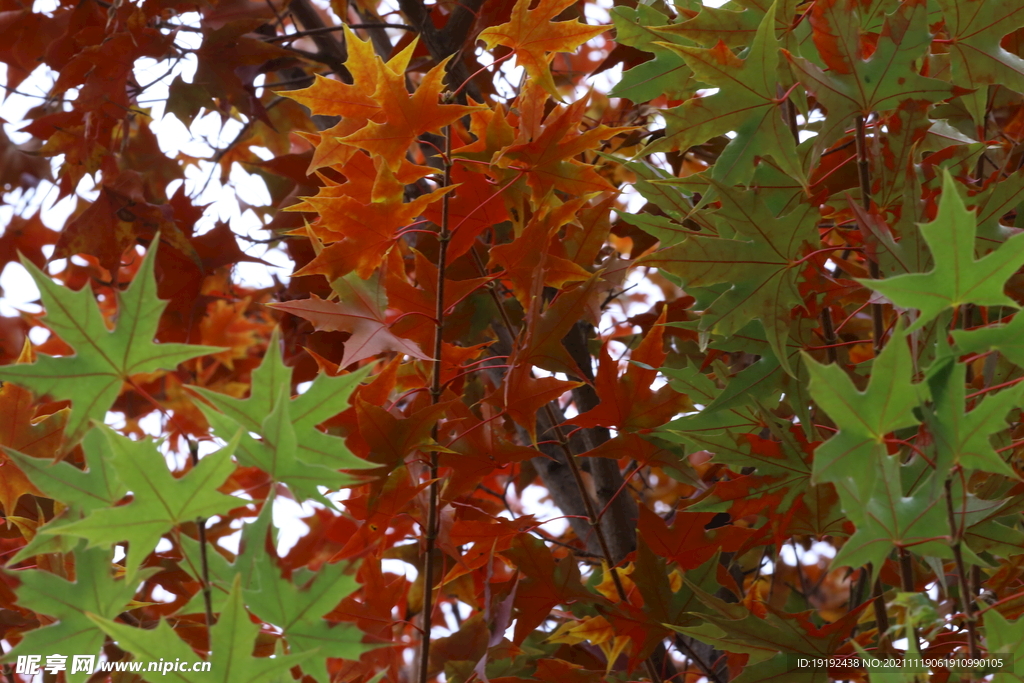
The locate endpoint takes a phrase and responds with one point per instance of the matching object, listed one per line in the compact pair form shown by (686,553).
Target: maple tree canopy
(585,341)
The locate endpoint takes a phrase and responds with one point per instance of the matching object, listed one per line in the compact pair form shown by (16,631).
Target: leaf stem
(443,238)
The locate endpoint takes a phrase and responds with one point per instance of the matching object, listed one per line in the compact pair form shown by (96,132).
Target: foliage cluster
(747,318)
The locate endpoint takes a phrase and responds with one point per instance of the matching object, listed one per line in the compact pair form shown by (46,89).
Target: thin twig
(332,29)
(966,596)
(204,562)
(443,238)
(907,579)
(864,173)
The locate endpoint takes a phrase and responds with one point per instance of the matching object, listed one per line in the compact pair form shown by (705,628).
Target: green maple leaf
(160,502)
(747,103)
(222,573)
(297,611)
(94,591)
(1004,637)
(233,639)
(737,28)
(853,86)
(983,525)
(864,418)
(761,263)
(292,450)
(666,74)
(887,519)
(964,438)
(766,640)
(975,29)
(992,204)
(957,277)
(104,359)
(730,417)
(80,491)
(1007,339)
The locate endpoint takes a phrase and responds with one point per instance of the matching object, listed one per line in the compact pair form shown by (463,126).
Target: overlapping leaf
(104,359)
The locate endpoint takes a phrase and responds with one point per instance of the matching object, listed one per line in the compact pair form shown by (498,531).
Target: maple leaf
(26,236)
(94,591)
(80,491)
(887,517)
(361,311)
(232,640)
(19,431)
(228,60)
(545,155)
(687,542)
(522,394)
(725,415)
(975,30)
(1008,339)
(407,116)
(297,611)
(253,549)
(768,639)
(392,439)
(957,278)
(737,24)
(367,227)
(668,599)
(475,205)
(354,102)
(757,252)
(527,260)
(545,583)
(665,74)
(748,102)
(475,450)
(159,500)
(963,438)
(418,304)
(627,402)
(116,220)
(104,359)
(531,35)
(854,86)
(1005,637)
(864,418)
(351,101)
(292,450)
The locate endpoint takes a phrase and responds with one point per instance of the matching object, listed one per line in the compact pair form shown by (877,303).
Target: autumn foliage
(617,342)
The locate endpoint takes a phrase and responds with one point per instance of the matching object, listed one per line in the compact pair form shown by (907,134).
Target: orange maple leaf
(545,153)
(363,227)
(407,116)
(528,261)
(532,35)
(37,438)
(628,403)
(353,102)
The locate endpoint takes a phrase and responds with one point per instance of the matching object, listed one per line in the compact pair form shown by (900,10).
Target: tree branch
(448,41)
(333,53)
